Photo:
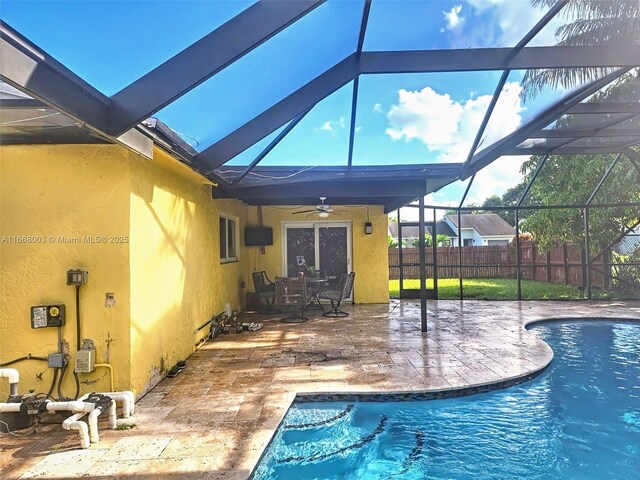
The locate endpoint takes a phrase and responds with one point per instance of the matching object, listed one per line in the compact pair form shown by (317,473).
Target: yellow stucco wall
(161,258)
(370,255)
(163,264)
(177,280)
(51,192)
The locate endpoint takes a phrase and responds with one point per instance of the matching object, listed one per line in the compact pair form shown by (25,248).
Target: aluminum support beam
(565,150)
(271,146)
(352,125)
(31,70)
(600,108)
(533,179)
(361,188)
(423,266)
(482,59)
(282,112)
(603,179)
(206,57)
(586,132)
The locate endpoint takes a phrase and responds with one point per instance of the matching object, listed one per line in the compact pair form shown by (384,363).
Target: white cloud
(377,108)
(449,127)
(333,125)
(503,23)
(453,18)
(495,179)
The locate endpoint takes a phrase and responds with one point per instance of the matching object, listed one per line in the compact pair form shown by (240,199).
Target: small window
(467,242)
(228,239)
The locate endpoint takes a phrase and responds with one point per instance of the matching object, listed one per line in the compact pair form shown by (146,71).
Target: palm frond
(589,22)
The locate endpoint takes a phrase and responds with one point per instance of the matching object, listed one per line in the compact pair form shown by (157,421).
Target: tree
(589,22)
(570,180)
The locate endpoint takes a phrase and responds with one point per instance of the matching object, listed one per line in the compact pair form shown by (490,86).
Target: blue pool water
(580,419)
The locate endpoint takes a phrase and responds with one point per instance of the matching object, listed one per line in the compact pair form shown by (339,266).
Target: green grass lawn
(495,289)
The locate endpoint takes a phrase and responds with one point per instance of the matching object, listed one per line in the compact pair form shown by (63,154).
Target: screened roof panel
(327,124)
(495,179)
(588,120)
(444,24)
(593,141)
(250,154)
(111,44)
(269,73)
(544,142)
(420,118)
(628,90)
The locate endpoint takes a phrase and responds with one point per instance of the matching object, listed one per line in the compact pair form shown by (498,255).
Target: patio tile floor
(214,420)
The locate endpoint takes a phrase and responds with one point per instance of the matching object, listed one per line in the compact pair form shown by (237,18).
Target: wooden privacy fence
(562,264)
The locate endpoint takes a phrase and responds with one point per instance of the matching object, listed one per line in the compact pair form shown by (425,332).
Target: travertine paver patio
(215,419)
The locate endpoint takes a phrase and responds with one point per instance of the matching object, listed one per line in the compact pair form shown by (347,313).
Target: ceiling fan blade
(304,211)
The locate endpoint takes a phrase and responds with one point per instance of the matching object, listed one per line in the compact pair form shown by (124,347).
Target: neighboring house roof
(442,228)
(486,224)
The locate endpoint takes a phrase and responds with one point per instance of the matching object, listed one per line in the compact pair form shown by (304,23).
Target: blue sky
(411,118)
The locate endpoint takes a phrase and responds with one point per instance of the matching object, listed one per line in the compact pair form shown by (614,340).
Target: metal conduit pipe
(74,423)
(14,378)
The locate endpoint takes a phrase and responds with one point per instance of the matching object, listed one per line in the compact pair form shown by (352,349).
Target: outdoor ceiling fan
(322,210)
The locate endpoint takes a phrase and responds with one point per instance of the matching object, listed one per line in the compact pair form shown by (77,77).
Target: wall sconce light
(368,228)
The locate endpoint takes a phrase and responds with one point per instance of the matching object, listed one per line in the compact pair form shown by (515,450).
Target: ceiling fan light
(323,214)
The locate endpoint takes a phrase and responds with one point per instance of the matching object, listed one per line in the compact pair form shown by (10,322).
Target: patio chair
(342,291)
(293,295)
(266,291)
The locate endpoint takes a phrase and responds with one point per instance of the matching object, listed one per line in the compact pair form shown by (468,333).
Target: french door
(323,247)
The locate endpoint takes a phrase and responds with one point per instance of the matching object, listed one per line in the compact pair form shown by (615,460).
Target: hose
(53,382)
(21,359)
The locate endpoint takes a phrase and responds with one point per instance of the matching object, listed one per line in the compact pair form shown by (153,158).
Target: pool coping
(440,393)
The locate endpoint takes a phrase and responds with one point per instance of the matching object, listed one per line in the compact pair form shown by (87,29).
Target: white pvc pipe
(74,423)
(113,415)
(11,373)
(74,406)
(94,435)
(9,407)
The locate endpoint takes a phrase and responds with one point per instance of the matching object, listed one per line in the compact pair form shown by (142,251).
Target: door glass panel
(301,248)
(333,251)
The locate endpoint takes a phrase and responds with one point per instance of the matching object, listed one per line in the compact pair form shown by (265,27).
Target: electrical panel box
(56,360)
(85,361)
(77,277)
(43,316)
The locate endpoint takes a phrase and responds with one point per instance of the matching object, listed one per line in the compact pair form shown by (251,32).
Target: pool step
(318,457)
(320,423)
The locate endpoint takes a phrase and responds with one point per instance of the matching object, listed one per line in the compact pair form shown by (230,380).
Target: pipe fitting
(74,423)
(14,378)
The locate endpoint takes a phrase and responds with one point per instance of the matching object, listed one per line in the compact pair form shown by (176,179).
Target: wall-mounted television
(258,236)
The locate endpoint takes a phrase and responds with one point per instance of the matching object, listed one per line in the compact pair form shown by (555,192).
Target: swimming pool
(579,419)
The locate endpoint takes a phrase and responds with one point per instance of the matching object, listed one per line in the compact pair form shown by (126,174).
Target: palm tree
(589,22)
